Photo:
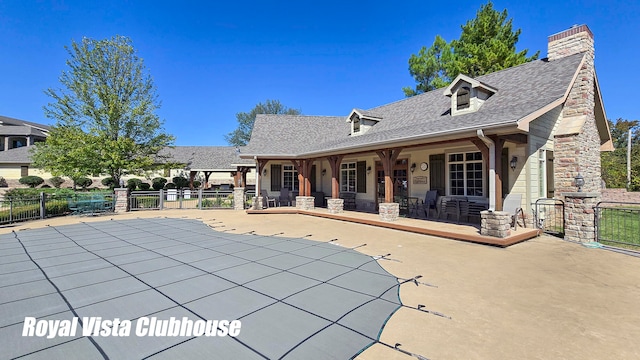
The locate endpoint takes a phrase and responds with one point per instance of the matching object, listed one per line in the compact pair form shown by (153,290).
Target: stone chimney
(577,39)
(577,140)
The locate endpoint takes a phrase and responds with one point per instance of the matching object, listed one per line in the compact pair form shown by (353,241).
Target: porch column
(498,163)
(260,165)
(206,178)
(192,175)
(388,158)
(307,181)
(334,164)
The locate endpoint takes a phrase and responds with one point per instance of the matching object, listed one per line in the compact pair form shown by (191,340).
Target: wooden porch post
(260,166)
(206,178)
(388,158)
(192,175)
(307,181)
(498,161)
(334,164)
(299,166)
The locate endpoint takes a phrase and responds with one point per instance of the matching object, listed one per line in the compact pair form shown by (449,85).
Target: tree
(487,44)
(241,135)
(105,114)
(614,163)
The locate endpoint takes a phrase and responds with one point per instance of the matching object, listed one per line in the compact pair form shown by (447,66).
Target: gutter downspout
(492,168)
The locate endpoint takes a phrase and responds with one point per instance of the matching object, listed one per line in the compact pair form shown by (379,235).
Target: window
(348,177)
(463,98)
(466,174)
(356,124)
(289,177)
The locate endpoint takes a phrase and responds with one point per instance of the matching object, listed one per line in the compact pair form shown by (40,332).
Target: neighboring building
(529,129)
(15,138)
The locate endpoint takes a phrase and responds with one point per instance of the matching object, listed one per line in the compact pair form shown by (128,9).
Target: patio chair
(266,199)
(284,197)
(512,205)
(430,202)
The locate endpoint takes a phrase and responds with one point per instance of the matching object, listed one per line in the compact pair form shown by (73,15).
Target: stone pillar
(121,200)
(238,198)
(496,223)
(579,218)
(389,211)
(305,202)
(257,202)
(335,206)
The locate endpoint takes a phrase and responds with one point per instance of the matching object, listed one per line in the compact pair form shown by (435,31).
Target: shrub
(109,182)
(196,184)
(45,186)
(83,182)
(181,182)
(158,183)
(31,181)
(133,184)
(170,186)
(3,182)
(56,181)
(144,186)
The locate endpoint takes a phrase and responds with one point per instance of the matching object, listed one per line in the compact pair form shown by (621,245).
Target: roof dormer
(467,94)
(361,121)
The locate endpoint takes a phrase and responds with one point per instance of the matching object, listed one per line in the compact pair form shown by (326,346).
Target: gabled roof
(469,80)
(523,90)
(209,158)
(364,114)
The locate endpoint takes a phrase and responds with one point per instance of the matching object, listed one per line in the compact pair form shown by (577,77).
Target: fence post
(42,207)
(10,210)
(161,202)
(200,199)
(180,196)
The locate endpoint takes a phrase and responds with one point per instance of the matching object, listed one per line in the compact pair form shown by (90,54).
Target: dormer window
(356,124)
(361,121)
(467,94)
(463,98)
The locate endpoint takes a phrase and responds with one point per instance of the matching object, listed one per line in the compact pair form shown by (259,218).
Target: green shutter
(276,177)
(361,177)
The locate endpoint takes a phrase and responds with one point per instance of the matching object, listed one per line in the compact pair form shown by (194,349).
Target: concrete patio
(539,299)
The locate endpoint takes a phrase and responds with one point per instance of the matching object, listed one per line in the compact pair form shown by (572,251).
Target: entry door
(400,179)
(436,173)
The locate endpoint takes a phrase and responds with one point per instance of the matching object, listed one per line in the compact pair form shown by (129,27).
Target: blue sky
(211,59)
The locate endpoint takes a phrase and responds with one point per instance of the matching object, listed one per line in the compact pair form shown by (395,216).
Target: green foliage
(158,183)
(133,184)
(31,181)
(109,182)
(614,163)
(487,44)
(56,181)
(181,182)
(241,135)
(144,186)
(83,182)
(196,184)
(105,114)
(170,186)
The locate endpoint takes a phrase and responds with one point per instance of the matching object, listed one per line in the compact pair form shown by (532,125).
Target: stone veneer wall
(121,201)
(620,195)
(335,206)
(496,223)
(389,211)
(305,202)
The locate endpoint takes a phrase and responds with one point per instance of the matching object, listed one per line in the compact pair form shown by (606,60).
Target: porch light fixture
(513,163)
(413,167)
(264,172)
(579,182)
(368,170)
(324,172)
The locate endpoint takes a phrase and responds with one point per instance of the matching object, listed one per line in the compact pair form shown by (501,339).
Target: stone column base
(335,206)
(238,198)
(579,218)
(257,203)
(389,211)
(496,223)
(121,200)
(305,202)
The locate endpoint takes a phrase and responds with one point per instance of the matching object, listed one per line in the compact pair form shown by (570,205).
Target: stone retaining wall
(620,195)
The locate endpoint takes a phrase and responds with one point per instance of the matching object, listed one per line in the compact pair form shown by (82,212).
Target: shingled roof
(11,126)
(211,158)
(19,155)
(521,91)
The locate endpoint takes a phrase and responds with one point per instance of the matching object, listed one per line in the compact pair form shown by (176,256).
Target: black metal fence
(618,224)
(16,209)
(181,199)
(548,215)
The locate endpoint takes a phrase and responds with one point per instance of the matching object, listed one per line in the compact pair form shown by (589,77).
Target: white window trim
(344,182)
(448,172)
(290,169)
